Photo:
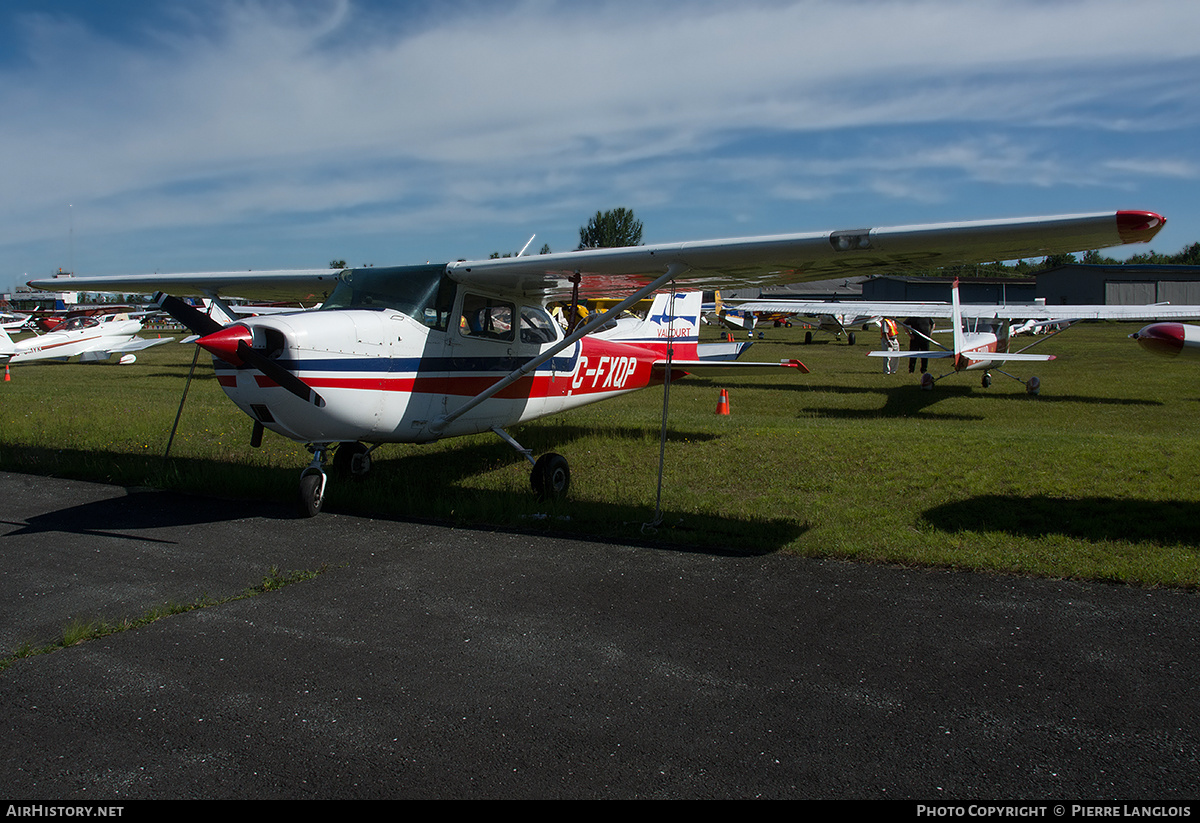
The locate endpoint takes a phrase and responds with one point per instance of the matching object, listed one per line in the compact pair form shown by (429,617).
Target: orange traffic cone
(723,403)
(7,378)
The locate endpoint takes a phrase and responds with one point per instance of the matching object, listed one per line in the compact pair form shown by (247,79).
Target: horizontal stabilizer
(1007,356)
(931,355)
(702,367)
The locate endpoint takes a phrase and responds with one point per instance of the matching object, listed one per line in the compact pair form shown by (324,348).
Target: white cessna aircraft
(982,334)
(91,338)
(418,353)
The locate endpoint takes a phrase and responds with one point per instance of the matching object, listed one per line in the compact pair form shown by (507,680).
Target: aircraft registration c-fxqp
(413,354)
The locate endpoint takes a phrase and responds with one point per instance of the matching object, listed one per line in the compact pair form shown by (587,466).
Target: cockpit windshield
(423,293)
(77,323)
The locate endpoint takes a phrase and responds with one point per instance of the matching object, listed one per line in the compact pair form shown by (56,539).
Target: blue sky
(178,136)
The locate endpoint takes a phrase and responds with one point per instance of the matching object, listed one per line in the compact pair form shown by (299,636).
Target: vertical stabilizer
(673,316)
(960,340)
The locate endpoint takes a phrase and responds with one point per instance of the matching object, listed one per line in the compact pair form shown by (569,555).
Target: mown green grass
(1096,478)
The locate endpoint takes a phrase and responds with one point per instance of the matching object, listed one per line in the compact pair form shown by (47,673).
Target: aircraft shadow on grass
(909,400)
(129,517)
(1089,518)
(466,461)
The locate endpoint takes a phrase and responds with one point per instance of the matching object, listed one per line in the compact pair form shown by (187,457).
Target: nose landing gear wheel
(551,477)
(312,493)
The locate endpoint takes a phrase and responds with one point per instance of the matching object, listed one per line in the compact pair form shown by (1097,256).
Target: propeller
(232,345)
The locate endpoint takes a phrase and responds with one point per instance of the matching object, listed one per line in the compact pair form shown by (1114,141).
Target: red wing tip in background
(1162,338)
(1139,226)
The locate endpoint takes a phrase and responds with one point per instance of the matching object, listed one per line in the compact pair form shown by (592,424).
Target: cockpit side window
(486,317)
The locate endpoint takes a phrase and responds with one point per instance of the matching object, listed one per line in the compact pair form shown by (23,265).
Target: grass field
(1096,478)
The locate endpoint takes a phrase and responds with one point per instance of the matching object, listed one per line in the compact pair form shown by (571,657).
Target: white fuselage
(385,377)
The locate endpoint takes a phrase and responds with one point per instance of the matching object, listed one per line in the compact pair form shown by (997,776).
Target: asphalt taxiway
(432,662)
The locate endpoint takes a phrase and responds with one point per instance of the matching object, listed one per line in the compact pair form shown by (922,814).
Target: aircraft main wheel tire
(312,494)
(987,380)
(851,339)
(551,477)
(807,337)
(351,460)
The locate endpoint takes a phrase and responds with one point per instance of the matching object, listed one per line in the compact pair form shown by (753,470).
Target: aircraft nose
(1166,339)
(224,343)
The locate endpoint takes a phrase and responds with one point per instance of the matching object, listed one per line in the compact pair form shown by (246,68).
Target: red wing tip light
(1139,226)
(795,364)
(1161,338)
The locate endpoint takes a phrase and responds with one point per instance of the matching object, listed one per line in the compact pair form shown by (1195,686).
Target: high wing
(980,311)
(707,264)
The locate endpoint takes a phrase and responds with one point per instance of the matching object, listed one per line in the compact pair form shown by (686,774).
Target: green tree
(1190,256)
(611,229)
(1055,260)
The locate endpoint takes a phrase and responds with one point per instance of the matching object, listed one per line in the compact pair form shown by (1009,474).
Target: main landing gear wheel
(987,379)
(312,493)
(851,339)
(351,460)
(551,477)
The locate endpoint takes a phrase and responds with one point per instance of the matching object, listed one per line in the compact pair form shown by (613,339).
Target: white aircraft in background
(419,353)
(90,338)
(746,315)
(981,345)
(983,334)
(12,321)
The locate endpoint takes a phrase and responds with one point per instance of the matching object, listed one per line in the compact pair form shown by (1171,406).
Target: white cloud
(449,113)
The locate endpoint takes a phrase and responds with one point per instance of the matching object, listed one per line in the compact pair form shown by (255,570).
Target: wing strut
(674,270)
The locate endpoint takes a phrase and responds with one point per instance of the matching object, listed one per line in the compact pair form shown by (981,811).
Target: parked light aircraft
(982,333)
(91,338)
(52,320)
(419,353)
(12,321)
(982,346)
(833,317)
(742,316)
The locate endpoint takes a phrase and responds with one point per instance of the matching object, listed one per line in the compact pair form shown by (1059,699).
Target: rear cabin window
(536,326)
(487,317)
